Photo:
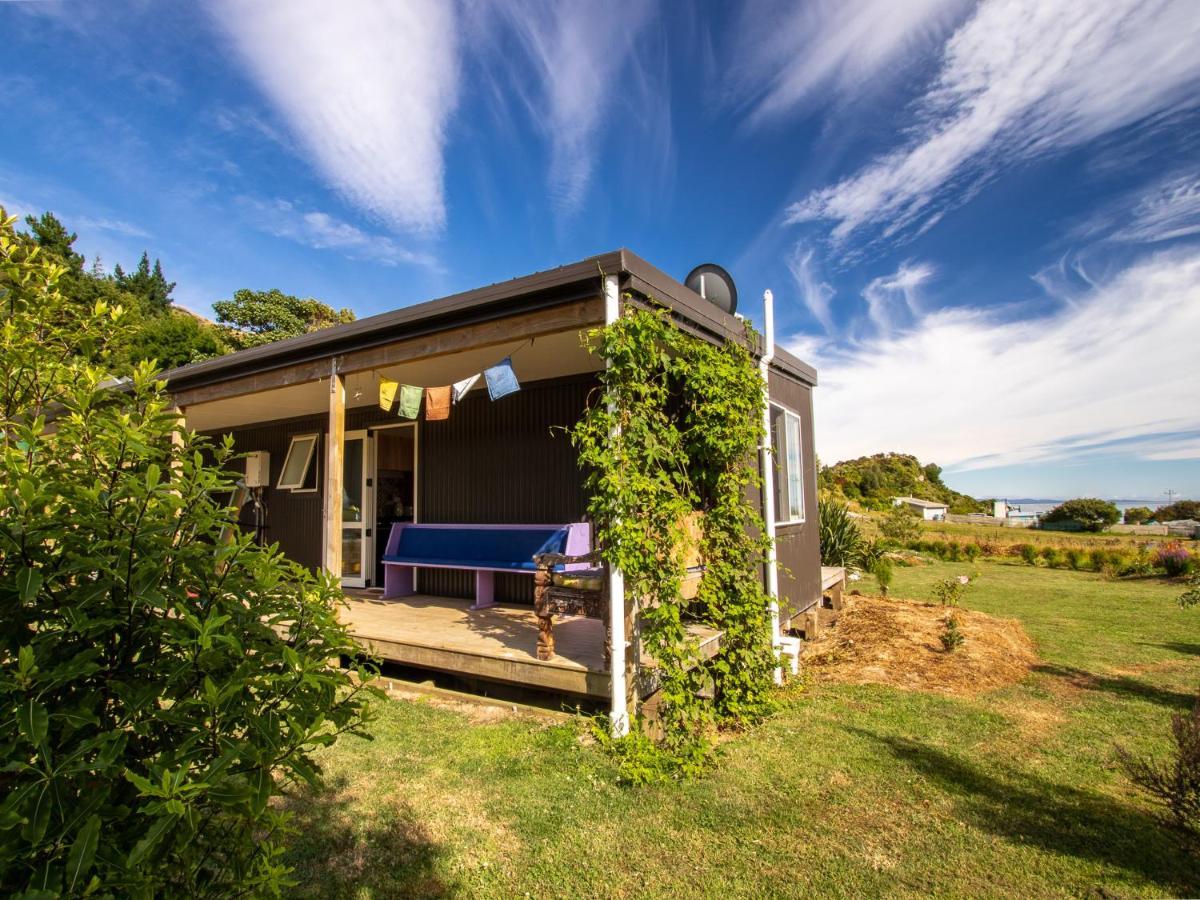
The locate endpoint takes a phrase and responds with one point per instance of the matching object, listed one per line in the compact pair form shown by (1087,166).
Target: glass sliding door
(356,498)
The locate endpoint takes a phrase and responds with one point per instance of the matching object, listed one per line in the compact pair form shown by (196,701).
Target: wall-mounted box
(258,469)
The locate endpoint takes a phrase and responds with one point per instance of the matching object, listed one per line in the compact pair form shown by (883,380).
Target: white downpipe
(768,477)
(618,710)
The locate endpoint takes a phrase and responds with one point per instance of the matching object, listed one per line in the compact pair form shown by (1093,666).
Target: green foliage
(951,637)
(675,431)
(839,535)
(1191,597)
(1137,515)
(900,524)
(150,287)
(260,317)
(150,709)
(882,570)
(869,554)
(1180,509)
(875,480)
(1174,782)
(950,591)
(173,339)
(1090,513)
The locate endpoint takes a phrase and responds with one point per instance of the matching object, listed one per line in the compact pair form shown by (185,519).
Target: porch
(498,643)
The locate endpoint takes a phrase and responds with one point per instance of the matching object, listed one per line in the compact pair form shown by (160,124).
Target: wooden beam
(335,440)
(577,314)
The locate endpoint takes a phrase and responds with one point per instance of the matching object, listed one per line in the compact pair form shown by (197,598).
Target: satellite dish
(715,285)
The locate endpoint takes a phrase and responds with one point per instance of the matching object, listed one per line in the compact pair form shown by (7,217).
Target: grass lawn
(850,790)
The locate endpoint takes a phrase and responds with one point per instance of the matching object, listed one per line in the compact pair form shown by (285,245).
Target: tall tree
(52,236)
(148,285)
(260,317)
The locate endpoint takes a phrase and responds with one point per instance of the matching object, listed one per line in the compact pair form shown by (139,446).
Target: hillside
(873,481)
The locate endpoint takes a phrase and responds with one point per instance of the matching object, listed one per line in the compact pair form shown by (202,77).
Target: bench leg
(397,581)
(485,590)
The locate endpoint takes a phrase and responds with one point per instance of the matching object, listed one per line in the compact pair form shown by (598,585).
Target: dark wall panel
(797,546)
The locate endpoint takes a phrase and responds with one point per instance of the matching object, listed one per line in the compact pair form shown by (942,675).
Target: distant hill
(872,481)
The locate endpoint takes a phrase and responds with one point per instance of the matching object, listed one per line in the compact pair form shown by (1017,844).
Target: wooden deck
(498,643)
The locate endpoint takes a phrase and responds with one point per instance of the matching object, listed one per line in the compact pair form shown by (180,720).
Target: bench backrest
(487,546)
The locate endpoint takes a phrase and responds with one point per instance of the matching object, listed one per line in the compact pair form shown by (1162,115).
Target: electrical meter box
(258,469)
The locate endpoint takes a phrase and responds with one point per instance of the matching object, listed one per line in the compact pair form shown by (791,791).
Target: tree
(1137,515)
(150,703)
(1090,513)
(175,339)
(933,473)
(52,236)
(260,317)
(150,287)
(901,524)
(1180,509)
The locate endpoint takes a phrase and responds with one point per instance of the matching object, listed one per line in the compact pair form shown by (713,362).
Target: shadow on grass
(1119,686)
(1057,818)
(1181,647)
(346,849)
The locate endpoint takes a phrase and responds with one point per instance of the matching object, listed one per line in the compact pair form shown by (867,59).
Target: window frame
(783,467)
(298,487)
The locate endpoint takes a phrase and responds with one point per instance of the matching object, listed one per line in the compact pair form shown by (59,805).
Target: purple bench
(484,549)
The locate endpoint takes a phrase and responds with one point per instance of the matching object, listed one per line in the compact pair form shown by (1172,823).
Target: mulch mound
(896,642)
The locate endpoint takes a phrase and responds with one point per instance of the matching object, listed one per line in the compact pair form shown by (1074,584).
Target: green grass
(850,790)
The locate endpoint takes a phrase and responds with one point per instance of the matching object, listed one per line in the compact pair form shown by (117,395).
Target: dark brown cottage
(340,482)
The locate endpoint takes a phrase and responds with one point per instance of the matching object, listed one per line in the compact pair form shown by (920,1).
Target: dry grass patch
(896,642)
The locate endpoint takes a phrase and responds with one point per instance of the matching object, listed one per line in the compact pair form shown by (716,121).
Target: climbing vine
(676,431)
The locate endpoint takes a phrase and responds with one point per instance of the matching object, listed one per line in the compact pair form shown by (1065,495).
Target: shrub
(1090,513)
(1029,554)
(1138,515)
(883,574)
(1076,558)
(1180,509)
(1191,596)
(869,555)
(951,637)
(900,524)
(150,708)
(1174,559)
(839,534)
(949,591)
(1174,782)
(1100,558)
(972,551)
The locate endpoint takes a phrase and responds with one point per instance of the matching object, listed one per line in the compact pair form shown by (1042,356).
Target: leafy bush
(1090,513)
(1174,559)
(950,591)
(1076,558)
(839,534)
(1191,596)
(900,524)
(951,637)
(151,708)
(972,551)
(883,574)
(1174,782)
(1028,553)
(1138,515)
(1180,509)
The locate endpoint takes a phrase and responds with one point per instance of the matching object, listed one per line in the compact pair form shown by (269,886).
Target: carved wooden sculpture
(575,593)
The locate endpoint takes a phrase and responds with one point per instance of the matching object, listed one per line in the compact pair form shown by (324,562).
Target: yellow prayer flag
(387,393)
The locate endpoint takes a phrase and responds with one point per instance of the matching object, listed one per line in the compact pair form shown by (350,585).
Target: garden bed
(896,643)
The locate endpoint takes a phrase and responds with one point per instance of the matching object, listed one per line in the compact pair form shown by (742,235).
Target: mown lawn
(850,790)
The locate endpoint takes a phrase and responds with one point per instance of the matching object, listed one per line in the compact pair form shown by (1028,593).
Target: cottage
(376,453)
(926,509)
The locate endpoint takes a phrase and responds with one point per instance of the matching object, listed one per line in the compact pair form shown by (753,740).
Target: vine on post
(676,431)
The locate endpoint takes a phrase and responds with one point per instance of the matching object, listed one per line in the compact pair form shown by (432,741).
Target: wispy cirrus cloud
(789,55)
(570,61)
(321,231)
(816,293)
(1170,209)
(892,299)
(1019,79)
(367,89)
(970,389)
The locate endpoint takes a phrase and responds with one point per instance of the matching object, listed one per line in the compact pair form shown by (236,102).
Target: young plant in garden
(949,593)
(1174,782)
(839,534)
(1174,559)
(150,706)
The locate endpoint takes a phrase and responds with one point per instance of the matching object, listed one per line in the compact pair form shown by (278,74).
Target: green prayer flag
(410,401)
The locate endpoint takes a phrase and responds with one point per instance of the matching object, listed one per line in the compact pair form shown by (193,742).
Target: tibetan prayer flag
(437,403)
(387,393)
(461,387)
(501,379)
(410,401)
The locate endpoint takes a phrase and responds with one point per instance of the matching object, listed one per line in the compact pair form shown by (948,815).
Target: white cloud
(367,88)
(1019,79)
(322,231)
(791,54)
(1187,448)
(882,294)
(816,293)
(572,56)
(966,389)
(117,226)
(1170,210)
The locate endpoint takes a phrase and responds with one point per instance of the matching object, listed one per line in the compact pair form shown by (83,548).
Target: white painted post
(768,477)
(619,710)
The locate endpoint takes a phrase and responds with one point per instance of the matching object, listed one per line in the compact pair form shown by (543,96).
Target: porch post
(334,449)
(619,708)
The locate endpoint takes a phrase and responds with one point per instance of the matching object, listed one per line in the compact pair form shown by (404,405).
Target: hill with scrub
(872,482)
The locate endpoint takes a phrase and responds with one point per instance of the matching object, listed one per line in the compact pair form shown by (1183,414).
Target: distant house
(928,510)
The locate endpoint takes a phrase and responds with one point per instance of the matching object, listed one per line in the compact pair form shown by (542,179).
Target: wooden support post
(335,440)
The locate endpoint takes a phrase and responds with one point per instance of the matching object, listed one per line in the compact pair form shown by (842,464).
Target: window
(789,467)
(298,464)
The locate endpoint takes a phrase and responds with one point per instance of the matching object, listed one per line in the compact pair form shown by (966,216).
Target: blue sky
(981,221)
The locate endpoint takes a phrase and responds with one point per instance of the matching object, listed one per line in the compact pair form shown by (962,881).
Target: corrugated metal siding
(507,461)
(797,546)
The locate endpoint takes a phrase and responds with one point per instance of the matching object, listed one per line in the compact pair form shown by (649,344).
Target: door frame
(365,525)
(373,482)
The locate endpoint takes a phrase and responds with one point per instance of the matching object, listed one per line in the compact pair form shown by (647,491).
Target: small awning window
(298,462)
(789,468)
